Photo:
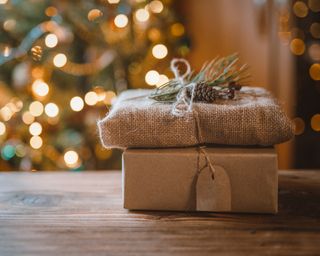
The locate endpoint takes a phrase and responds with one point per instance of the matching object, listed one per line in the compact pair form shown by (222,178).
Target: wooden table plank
(68,213)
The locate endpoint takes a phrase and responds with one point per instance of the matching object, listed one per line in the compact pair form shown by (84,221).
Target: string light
(8,152)
(40,88)
(314,52)
(27,118)
(156,6)
(6,113)
(51,109)
(76,104)
(36,142)
(51,11)
(15,104)
(36,52)
(109,97)
(94,14)
(152,77)
(314,5)
(177,29)
(113,1)
(60,60)
(102,153)
(9,24)
(142,15)
(71,158)
(20,151)
(36,108)
(2,128)
(159,51)
(315,30)
(51,40)
(299,126)
(315,122)
(91,98)
(300,9)
(297,46)
(121,20)
(314,71)
(35,129)
(6,51)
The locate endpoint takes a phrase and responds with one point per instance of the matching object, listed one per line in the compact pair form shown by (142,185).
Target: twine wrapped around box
(252,118)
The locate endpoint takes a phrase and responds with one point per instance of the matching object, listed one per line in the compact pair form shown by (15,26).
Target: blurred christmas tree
(62,64)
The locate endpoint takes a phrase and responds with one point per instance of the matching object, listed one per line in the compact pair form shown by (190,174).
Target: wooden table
(69,213)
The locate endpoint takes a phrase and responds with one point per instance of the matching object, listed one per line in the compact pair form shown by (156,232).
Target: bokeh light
(152,77)
(315,30)
(299,125)
(314,71)
(314,5)
(36,142)
(297,46)
(154,34)
(3,1)
(9,24)
(159,51)
(51,11)
(91,98)
(102,153)
(35,128)
(51,40)
(76,103)
(71,158)
(60,60)
(36,52)
(113,1)
(142,15)
(51,109)
(20,151)
(315,122)
(27,118)
(177,29)
(40,88)
(314,52)
(8,152)
(36,108)
(94,14)
(121,20)
(2,128)
(109,97)
(300,9)
(156,6)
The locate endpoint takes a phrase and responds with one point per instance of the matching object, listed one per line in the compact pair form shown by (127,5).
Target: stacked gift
(187,148)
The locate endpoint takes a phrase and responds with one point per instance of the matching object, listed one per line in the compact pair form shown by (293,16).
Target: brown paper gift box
(245,180)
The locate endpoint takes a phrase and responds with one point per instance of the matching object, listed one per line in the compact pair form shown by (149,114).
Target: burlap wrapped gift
(252,118)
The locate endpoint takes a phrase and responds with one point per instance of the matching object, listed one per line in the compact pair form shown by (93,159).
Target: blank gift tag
(213,195)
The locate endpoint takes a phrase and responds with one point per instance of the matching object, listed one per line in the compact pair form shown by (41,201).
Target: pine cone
(204,92)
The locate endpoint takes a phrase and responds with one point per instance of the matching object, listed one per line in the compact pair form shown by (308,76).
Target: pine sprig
(218,74)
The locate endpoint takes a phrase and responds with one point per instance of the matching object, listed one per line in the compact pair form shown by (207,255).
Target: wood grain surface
(69,213)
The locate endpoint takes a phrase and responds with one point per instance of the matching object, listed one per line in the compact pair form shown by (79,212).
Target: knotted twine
(183,104)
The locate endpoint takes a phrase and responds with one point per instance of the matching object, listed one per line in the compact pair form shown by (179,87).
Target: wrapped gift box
(242,179)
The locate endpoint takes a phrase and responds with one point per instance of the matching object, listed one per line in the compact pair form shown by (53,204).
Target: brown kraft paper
(245,180)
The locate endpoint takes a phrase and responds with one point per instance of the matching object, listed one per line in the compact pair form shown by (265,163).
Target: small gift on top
(199,142)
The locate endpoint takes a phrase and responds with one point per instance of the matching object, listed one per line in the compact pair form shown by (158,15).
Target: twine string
(184,102)
(182,105)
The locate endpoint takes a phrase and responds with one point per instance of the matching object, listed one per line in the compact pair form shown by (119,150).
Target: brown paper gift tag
(213,194)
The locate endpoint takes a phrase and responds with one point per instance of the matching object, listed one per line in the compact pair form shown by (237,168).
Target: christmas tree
(62,63)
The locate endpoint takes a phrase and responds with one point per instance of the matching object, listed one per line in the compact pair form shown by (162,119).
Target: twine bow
(183,101)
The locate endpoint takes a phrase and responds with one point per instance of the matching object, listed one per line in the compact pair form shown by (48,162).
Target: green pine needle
(218,73)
